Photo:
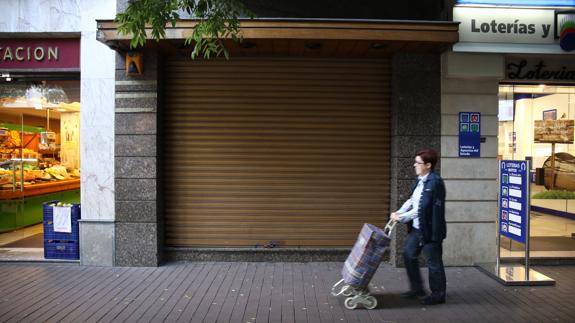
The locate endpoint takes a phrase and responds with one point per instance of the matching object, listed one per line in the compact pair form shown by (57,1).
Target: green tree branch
(217,20)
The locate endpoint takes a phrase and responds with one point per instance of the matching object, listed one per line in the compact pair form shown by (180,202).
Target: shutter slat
(269,149)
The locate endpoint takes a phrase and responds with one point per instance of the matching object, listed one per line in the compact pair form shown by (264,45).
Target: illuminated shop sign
(22,54)
(565,30)
(515,30)
(505,25)
(533,69)
(526,3)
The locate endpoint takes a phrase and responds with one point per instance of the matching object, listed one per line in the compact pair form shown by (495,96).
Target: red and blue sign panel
(469,134)
(513,199)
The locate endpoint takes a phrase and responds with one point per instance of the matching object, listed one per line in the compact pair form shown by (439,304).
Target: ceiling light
(247,44)
(312,45)
(377,45)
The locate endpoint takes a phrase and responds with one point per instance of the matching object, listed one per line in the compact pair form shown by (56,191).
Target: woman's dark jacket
(431,209)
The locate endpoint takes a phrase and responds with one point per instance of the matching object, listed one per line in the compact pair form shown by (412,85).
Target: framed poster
(554,131)
(550,114)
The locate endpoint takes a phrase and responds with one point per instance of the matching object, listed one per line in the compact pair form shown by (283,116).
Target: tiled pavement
(263,292)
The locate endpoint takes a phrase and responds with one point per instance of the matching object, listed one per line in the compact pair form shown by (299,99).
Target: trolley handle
(389,227)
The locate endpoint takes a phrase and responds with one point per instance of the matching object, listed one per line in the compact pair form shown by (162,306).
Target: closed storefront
(281,152)
(271,152)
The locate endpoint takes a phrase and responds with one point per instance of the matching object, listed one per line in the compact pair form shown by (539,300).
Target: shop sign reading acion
(513,199)
(40,54)
(469,134)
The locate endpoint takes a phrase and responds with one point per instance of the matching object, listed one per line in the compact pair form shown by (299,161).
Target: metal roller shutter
(295,151)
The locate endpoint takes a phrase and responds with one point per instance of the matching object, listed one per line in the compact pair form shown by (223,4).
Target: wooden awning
(314,38)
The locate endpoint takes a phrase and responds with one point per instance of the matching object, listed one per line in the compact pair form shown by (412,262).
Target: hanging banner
(469,134)
(513,199)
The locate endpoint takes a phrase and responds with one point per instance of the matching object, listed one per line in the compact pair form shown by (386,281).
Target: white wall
(97,145)
(33,16)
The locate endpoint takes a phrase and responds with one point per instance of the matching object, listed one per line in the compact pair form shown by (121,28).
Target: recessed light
(377,45)
(247,44)
(312,45)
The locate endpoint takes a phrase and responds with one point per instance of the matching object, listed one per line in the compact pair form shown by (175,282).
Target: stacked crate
(61,245)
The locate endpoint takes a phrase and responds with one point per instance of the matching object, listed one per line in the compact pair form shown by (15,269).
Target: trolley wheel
(350,303)
(347,291)
(370,302)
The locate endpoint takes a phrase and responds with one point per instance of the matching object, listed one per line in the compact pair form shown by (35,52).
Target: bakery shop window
(40,127)
(39,147)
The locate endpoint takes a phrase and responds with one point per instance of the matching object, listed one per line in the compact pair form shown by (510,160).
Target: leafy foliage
(217,20)
(555,195)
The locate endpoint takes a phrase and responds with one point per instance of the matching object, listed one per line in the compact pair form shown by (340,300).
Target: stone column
(137,240)
(416,124)
(96,137)
(470,83)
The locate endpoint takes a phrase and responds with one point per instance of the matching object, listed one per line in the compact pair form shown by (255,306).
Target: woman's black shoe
(429,300)
(413,294)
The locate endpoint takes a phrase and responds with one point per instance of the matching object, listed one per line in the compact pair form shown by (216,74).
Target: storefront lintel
(425,35)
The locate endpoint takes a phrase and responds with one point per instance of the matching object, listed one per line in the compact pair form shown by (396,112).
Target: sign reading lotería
(469,134)
(515,30)
(513,199)
(536,3)
(505,25)
(39,53)
(534,69)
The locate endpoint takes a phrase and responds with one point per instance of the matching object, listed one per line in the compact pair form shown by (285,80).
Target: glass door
(536,123)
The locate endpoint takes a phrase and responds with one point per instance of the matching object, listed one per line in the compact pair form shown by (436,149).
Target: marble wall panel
(472,168)
(486,104)
(136,189)
(96,243)
(137,245)
(136,145)
(136,124)
(450,146)
(135,167)
(97,172)
(464,211)
(471,190)
(470,243)
(32,16)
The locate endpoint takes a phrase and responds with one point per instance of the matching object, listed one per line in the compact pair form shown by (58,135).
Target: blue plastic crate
(48,220)
(61,249)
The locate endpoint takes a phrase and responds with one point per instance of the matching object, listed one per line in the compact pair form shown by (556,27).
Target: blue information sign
(513,199)
(469,134)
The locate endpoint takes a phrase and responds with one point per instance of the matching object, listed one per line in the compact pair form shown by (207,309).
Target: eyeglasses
(418,163)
